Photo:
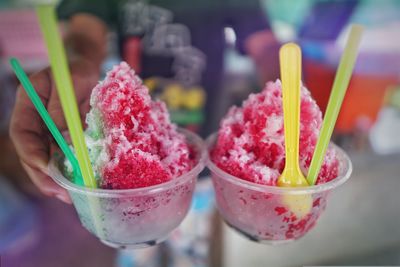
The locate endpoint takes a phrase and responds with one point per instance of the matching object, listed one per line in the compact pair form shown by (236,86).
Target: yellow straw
(59,67)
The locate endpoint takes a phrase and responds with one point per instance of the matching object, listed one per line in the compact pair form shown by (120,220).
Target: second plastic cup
(259,211)
(132,218)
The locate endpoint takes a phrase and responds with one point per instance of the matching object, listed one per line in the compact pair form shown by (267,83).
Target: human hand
(32,140)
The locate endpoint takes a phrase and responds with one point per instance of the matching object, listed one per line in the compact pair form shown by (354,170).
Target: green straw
(62,77)
(30,90)
(342,79)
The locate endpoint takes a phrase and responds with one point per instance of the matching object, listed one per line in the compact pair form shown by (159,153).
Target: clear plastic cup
(132,218)
(260,212)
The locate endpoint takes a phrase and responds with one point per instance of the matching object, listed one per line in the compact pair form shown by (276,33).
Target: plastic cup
(132,218)
(259,212)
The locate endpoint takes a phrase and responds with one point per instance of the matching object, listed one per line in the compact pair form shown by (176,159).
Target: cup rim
(343,176)
(191,138)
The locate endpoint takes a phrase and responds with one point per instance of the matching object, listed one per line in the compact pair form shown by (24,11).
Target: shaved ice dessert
(131,140)
(145,167)
(251,142)
(247,157)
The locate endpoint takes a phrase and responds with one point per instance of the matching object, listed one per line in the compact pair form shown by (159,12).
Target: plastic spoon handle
(342,79)
(290,62)
(62,77)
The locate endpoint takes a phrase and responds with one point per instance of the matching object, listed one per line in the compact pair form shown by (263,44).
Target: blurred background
(201,57)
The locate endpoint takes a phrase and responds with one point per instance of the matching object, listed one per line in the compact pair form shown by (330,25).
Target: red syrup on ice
(251,143)
(143,147)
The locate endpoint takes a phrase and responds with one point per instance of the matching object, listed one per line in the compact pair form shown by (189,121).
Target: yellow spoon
(290,64)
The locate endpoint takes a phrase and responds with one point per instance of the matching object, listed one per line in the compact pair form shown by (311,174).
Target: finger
(55,111)
(84,77)
(84,109)
(46,185)
(30,137)
(26,127)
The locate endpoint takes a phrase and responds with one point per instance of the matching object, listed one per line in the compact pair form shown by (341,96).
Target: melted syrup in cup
(133,218)
(259,213)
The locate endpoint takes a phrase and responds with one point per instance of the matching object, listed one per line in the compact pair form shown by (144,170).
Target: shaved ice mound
(251,142)
(132,142)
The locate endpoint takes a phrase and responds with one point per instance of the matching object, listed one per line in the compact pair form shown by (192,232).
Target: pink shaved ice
(141,145)
(251,143)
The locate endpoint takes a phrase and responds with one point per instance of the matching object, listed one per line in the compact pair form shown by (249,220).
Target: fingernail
(63,198)
(50,191)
